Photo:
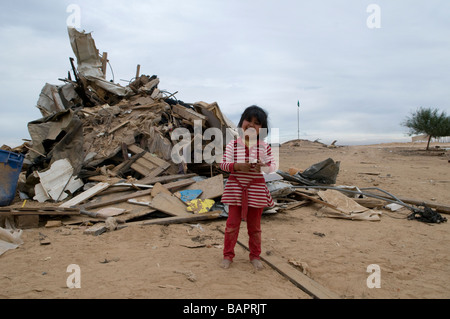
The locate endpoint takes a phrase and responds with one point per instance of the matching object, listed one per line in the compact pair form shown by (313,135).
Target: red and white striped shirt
(258,195)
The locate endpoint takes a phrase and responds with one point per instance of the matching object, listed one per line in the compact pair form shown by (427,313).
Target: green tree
(428,121)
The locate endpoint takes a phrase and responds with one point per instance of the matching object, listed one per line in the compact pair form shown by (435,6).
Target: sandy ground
(181,261)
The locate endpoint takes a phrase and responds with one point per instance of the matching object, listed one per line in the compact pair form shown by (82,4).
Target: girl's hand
(243,167)
(247,167)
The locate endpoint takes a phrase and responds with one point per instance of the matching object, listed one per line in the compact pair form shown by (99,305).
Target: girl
(246,192)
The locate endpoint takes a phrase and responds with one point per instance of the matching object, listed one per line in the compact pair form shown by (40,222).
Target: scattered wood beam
(126,197)
(183,218)
(40,211)
(308,285)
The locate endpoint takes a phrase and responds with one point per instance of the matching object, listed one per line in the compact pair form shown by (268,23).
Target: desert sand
(181,261)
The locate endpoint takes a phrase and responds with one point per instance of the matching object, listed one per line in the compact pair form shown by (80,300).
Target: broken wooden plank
(183,218)
(143,167)
(132,185)
(118,199)
(39,211)
(210,187)
(168,204)
(96,230)
(305,283)
(150,85)
(86,195)
(135,214)
(126,197)
(104,60)
(188,114)
(104,213)
(149,157)
(164,179)
(308,285)
(179,184)
(104,179)
(147,165)
(157,171)
(159,188)
(147,169)
(139,201)
(296,205)
(125,165)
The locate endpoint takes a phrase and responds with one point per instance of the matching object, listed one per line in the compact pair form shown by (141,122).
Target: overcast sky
(358,68)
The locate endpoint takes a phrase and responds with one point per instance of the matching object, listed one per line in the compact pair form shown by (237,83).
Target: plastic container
(10,168)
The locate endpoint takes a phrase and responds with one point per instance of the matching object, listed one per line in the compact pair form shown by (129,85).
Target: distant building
(424,138)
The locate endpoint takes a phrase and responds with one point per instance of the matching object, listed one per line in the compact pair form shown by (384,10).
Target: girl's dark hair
(258,113)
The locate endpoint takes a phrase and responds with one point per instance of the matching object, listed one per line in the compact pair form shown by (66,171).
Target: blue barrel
(10,168)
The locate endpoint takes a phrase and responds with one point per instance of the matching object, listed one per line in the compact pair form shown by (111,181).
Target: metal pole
(298,120)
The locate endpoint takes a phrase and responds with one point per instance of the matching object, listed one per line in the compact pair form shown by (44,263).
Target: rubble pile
(97,137)
(106,131)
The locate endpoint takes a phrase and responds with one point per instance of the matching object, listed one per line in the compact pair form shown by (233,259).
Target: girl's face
(251,127)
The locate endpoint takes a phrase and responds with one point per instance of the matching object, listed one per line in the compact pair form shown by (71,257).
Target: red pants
(232,231)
